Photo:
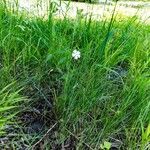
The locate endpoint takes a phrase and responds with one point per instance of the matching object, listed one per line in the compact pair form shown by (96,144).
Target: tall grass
(103,96)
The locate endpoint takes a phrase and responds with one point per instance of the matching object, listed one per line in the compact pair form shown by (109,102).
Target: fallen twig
(38,142)
(78,140)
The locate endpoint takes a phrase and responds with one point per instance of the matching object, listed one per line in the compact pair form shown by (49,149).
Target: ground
(140,9)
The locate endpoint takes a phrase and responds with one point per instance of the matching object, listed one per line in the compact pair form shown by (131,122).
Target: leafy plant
(106,145)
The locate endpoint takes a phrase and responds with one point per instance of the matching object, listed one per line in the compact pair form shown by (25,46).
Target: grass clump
(99,100)
(8,106)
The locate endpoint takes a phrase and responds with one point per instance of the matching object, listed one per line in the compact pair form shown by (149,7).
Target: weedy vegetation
(97,99)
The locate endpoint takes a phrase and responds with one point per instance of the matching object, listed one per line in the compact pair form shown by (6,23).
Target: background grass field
(101,98)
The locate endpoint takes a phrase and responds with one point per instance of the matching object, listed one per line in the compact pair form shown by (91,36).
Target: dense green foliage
(103,96)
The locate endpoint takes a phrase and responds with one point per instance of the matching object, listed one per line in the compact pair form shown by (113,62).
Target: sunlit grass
(101,97)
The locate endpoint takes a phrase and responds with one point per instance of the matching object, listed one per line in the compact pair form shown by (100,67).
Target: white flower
(76,54)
